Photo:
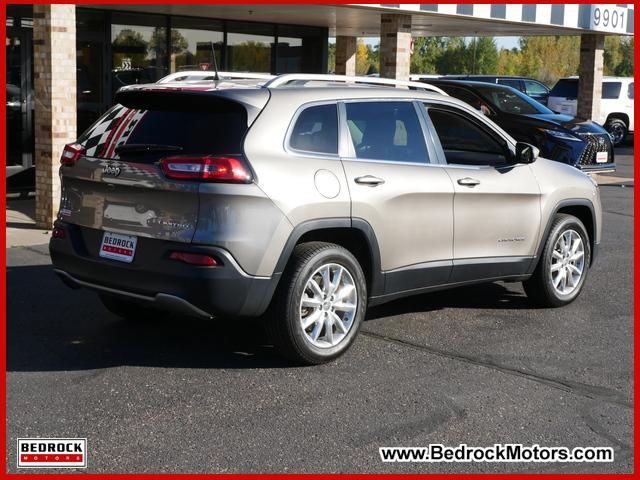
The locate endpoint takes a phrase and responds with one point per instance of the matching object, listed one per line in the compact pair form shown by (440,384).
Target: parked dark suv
(581,143)
(533,88)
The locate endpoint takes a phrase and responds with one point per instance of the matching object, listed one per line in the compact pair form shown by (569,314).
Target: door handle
(468,182)
(369,180)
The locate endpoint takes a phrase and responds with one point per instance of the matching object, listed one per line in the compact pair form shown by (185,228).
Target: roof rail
(302,78)
(221,75)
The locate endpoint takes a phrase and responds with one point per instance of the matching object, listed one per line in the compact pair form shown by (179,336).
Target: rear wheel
(130,310)
(319,305)
(617,130)
(563,266)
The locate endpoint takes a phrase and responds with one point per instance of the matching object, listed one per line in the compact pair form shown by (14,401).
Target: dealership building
(65,62)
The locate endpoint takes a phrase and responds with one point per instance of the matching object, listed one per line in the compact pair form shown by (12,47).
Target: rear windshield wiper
(146,148)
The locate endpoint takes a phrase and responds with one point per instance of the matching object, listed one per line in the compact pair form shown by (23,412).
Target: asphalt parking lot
(476,365)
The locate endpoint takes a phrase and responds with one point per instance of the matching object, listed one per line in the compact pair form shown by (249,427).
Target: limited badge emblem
(111,170)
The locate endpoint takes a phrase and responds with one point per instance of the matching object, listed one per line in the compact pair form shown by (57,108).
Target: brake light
(194,259)
(71,154)
(209,168)
(57,232)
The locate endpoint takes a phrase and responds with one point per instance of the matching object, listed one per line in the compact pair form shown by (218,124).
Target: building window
(139,49)
(250,47)
(300,49)
(193,43)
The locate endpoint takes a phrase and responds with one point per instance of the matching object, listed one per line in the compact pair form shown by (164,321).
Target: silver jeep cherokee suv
(308,202)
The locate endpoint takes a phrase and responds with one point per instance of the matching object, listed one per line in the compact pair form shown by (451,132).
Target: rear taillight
(71,154)
(210,168)
(194,259)
(57,232)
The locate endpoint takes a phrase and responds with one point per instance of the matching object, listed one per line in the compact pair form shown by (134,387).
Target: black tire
(284,316)
(618,130)
(539,288)
(130,310)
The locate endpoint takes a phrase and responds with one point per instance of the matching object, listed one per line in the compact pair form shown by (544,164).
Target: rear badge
(110,170)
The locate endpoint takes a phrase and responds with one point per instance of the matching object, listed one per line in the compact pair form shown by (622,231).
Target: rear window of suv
(184,128)
(611,90)
(566,88)
(316,130)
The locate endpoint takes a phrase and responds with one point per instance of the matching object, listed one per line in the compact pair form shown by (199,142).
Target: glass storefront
(114,49)
(19,88)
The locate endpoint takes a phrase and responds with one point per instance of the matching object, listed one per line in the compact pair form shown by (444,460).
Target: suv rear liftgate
(132,190)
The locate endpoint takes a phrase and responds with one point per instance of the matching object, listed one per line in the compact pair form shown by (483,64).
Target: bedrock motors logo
(52,453)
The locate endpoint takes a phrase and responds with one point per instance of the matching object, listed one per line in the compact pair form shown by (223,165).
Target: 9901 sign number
(603,17)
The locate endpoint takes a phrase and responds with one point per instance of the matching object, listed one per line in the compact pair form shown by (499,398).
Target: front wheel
(563,266)
(617,131)
(320,304)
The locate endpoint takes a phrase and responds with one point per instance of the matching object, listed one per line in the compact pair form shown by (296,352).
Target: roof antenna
(216,77)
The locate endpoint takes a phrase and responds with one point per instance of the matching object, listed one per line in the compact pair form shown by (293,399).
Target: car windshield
(509,100)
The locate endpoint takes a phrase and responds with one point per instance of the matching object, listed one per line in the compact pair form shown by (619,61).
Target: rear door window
(316,130)
(611,90)
(386,131)
(630,91)
(534,88)
(179,128)
(510,82)
(566,88)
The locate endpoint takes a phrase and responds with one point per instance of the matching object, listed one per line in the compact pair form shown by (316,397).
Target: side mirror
(526,153)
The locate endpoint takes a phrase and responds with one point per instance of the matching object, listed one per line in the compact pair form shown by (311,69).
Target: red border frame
(3,298)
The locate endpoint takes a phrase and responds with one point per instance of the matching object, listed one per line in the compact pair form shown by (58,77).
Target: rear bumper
(155,280)
(598,168)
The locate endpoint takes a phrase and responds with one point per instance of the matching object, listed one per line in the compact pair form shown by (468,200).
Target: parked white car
(616,107)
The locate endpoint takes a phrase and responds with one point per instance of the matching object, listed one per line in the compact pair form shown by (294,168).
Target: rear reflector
(57,232)
(71,154)
(225,169)
(194,259)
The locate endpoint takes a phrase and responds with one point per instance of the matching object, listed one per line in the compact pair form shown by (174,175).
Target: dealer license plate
(118,247)
(602,157)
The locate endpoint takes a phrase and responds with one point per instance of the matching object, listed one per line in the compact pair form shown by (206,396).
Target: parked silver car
(307,200)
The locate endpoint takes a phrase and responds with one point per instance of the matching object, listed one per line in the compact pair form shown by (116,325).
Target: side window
(534,88)
(611,90)
(509,82)
(464,142)
(386,131)
(630,91)
(464,95)
(316,130)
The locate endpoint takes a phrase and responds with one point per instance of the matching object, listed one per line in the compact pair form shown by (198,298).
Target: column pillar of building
(590,72)
(395,46)
(346,55)
(54,76)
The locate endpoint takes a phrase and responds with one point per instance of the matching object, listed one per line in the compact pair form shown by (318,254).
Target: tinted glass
(249,47)
(509,82)
(535,88)
(464,142)
(386,131)
(630,91)
(300,49)
(611,90)
(316,130)
(195,130)
(194,42)
(566,88)
(511,101)
(464,95)
(139,49)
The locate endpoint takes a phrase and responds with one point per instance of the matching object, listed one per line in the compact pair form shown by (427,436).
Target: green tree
(426,51)
(625,67)
(331,58)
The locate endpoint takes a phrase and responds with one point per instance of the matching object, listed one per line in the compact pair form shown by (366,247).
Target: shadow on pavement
(53,328)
